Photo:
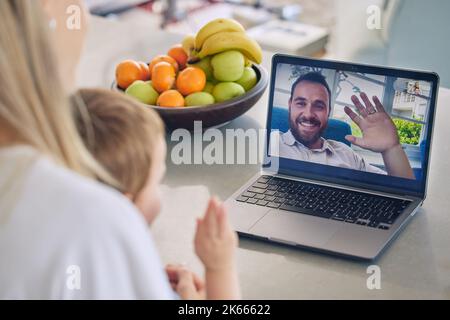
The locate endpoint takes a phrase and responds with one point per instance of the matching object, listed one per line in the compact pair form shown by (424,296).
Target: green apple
(227,90)
(205,65)
(228,66)
(209,86)
(199,99)
(248,79)
(143,91)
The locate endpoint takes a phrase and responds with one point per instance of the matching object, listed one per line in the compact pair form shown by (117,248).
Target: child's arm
(215,245)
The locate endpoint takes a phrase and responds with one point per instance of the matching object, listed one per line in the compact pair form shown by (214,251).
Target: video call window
(316,125)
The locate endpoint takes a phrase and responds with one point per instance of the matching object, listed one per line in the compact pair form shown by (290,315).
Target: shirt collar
(289,139)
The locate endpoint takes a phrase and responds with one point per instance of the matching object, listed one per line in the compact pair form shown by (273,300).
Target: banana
(215,26)
(248,63)
(188,44)
(224,41)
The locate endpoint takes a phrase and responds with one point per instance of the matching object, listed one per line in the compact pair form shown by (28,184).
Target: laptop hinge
(343,186)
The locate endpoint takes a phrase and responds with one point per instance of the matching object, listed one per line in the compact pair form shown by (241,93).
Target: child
(128,140)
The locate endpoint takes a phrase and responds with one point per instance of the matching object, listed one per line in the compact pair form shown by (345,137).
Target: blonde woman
(62,235)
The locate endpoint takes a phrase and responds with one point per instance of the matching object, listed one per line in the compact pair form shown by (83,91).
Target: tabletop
(414,266)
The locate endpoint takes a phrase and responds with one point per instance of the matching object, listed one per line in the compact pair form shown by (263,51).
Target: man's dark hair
(315,77)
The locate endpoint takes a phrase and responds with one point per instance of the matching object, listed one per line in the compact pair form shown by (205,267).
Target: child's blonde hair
(121,134)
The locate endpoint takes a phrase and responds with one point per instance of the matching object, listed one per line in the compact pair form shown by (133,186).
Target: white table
(416,265)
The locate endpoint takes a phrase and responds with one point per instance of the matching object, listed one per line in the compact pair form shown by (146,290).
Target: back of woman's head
(33,104)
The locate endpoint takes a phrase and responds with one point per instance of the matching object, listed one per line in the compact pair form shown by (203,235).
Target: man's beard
(306,141)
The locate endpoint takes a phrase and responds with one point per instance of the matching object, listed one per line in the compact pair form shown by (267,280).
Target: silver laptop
(346,157)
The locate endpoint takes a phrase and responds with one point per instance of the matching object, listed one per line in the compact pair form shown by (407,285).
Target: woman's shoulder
(68,219)
(90,199)
(41,184)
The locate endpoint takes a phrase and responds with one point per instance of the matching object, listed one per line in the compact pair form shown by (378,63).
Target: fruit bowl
(213,114)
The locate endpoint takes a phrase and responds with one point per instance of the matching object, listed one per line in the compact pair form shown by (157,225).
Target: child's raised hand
(215,240)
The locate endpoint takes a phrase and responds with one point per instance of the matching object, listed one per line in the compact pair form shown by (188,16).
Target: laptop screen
(361,125)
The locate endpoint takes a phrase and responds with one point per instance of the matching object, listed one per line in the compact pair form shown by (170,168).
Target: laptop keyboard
(325,202)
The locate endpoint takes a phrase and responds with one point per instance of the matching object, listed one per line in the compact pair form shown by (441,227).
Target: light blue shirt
(332,153)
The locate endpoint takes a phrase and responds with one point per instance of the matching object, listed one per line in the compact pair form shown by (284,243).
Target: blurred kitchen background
(412,33)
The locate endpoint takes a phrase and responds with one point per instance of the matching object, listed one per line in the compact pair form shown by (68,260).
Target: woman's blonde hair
(33,103)
(122,135)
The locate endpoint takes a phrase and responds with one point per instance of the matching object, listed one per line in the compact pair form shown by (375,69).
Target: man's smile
(308,125)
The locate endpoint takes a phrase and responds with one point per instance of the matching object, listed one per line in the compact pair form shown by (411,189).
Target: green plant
(356,131)
(409,132)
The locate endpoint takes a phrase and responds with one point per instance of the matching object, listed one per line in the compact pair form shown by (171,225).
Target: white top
(332,153)
(63,236)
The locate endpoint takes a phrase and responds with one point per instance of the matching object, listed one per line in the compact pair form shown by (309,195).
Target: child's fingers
(207,217)
(222,220)
(210,217)
(186,288)
(209,207)
(199,230)
(173,285)
(198,282)
(170,266)
(172,272)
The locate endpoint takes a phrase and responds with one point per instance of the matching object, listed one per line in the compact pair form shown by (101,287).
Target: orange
(177,52)
(127,72)
(191,80)
(145,71)
(170,98)
(163,76)
(163,58)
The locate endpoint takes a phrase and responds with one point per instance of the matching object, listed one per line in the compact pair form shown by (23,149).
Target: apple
(228,66)
(199,99)
(209,86)
(248,79)
(143,91)
(227,90)
(205,65)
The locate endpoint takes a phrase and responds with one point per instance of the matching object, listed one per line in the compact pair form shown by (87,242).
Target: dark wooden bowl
(214,114)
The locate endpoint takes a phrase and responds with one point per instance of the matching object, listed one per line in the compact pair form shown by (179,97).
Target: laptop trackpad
(295,227)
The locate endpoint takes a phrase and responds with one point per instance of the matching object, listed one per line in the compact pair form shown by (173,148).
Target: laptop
(346,157)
